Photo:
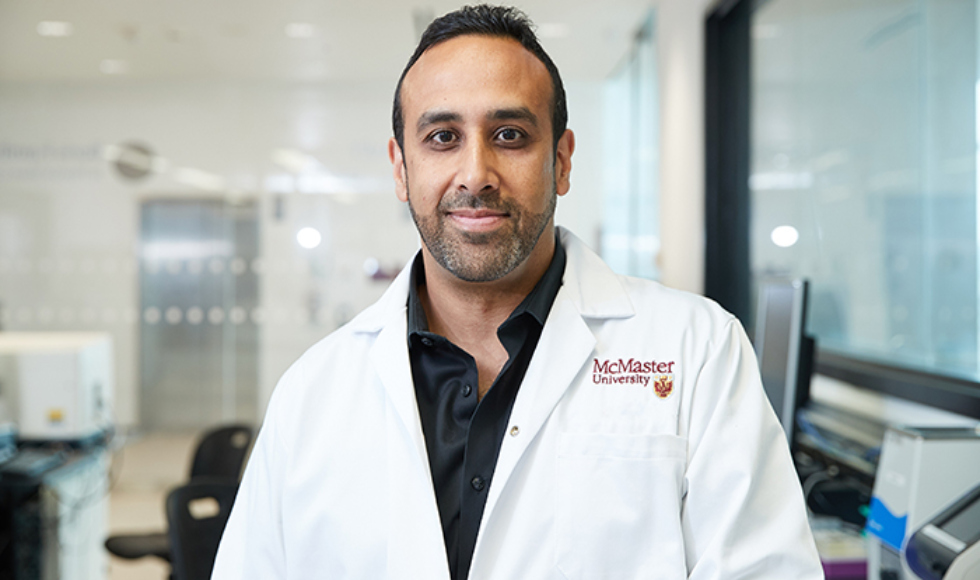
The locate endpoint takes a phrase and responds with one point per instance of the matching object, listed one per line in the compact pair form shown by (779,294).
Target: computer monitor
(785,352)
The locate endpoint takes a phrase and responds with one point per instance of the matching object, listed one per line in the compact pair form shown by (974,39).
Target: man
(511,408)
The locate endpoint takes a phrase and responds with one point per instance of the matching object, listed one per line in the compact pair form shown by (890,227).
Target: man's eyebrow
(516,114)
(434,117)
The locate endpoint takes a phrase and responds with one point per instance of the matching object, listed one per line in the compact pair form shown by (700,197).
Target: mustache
(465,200)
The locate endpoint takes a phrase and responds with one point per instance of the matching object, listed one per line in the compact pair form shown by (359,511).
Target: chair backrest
(221,452)
(196,516)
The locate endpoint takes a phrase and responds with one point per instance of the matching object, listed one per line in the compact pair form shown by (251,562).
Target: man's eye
(509,135)
(443,137)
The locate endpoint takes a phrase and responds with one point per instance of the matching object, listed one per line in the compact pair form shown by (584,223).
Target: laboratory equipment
(920,471)
(948,546)
(57,386)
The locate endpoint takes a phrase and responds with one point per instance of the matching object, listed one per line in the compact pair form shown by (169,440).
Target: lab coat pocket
(618,506)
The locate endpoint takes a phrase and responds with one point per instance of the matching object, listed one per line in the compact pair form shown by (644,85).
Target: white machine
(56,386)
(920,471)
(948,546)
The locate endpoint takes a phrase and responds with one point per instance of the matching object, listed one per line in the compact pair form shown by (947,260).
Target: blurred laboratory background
(193,193)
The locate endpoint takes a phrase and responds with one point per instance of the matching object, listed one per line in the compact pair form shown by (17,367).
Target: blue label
(888,527)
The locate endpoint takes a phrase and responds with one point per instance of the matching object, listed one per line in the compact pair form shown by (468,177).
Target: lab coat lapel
(589,290)
(388,318)
(565,345)
(390,359)
(420,553)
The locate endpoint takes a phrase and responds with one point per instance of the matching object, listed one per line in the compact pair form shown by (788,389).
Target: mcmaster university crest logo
(659,375)
(663,386)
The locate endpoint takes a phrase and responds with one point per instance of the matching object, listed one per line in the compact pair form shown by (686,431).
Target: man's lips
(477,219)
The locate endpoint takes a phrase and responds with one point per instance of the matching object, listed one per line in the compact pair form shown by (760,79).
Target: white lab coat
(595,479)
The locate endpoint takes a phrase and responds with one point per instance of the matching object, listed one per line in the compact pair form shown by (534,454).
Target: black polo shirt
(463,435)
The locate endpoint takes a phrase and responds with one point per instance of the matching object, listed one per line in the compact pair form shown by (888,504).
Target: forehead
(476,73)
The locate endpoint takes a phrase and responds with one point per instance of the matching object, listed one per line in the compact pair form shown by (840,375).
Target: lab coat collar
(589,284)
(392,304)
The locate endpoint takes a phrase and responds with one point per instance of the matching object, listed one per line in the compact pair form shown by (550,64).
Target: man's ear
(398,169)
(563,161)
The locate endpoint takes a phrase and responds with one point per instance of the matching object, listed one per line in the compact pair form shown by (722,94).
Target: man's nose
(478,169)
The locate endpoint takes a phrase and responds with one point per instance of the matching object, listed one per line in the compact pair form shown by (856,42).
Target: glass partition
(630,238)
(864,173)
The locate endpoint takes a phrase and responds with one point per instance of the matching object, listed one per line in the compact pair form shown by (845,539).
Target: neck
(468,313)
(454,306)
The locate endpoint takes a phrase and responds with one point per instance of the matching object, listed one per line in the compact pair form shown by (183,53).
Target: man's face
(478,169)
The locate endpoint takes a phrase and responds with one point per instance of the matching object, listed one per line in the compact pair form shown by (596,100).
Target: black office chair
(220,454)
(196,516)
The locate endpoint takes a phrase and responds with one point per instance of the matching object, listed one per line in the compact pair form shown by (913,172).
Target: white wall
(69,226)
(680,44)
(581,209)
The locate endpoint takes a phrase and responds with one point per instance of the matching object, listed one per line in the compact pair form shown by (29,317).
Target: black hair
(501,21)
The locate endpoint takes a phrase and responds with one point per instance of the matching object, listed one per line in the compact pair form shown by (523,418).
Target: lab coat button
(514,431)
(478,483)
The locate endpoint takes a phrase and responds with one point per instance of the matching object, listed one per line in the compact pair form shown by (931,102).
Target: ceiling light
(785,236)
(114,67)
(55,28)
(309,238)
(300,30)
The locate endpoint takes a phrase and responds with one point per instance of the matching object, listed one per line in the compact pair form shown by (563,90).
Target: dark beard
(482,256)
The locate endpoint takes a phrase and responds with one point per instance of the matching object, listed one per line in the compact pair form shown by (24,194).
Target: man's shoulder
(602,293)
(350,344)
(347,340)
(662,307)
(653,294)
(341,358)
